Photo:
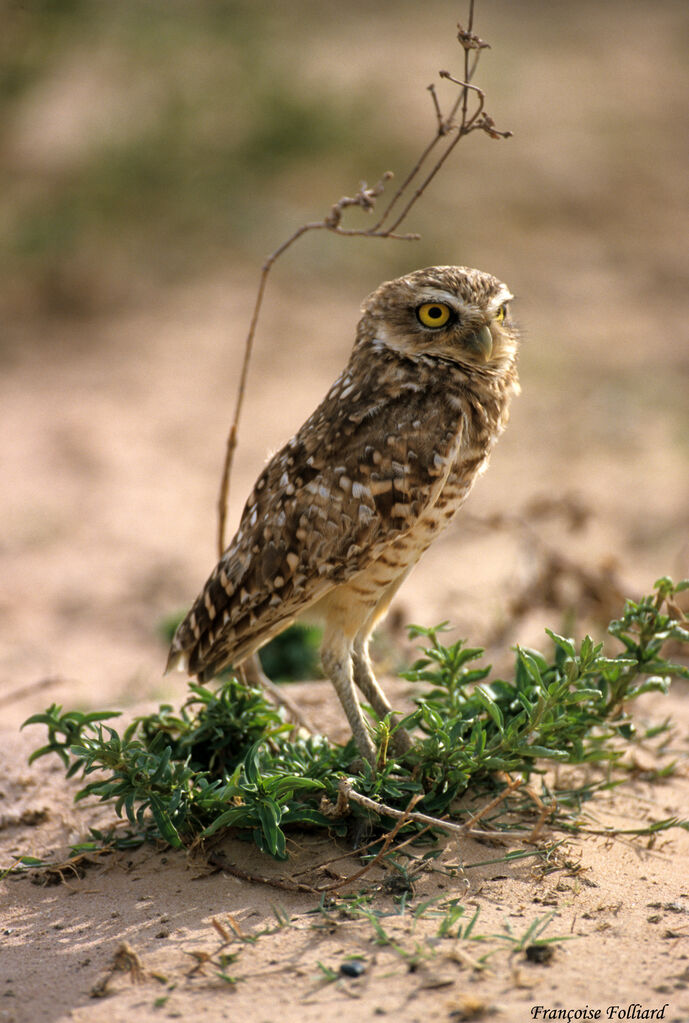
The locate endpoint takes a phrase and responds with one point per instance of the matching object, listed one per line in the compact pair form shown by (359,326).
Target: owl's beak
(481,342)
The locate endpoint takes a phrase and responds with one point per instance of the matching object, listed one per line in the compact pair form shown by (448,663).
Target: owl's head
(452,313)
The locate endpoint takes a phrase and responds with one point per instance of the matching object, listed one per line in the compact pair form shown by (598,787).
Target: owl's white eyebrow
(455,302)
(504,295)
(437,295)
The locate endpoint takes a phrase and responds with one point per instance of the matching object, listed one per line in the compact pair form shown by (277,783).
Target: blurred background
(153,152)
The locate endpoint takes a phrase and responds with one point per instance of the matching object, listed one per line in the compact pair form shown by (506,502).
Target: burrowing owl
(340,515)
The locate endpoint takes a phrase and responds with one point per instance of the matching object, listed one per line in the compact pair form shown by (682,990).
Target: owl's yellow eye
(433,314)
(501,313)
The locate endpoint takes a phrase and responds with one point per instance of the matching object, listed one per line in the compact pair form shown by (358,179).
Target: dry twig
(125,960)
(466,829)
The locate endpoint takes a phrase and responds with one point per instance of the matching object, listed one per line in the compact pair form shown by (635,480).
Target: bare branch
(442,126)
(466,829)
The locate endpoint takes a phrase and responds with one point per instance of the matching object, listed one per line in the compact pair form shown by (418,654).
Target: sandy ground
(113,436)
(619,908)
(105,539)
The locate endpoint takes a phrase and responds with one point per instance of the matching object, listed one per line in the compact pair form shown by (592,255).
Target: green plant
(226,759)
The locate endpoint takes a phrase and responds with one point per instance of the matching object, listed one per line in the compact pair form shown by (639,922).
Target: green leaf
(251,765)
(165,826)
(566,645)
(489,704)
(534,750)
(300,814)
(530,665)
(236,815)
(269,814)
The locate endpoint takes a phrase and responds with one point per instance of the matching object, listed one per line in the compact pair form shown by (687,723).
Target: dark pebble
(353,968)
(539,953)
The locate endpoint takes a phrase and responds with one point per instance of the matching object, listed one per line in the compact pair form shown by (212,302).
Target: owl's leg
(366,680)
(368,684)
(336,655)
(363,670)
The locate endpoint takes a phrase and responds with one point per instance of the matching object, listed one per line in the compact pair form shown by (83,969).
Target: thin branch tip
(469,40)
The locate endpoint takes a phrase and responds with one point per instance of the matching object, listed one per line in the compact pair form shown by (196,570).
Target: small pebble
(352,968)
(539,953)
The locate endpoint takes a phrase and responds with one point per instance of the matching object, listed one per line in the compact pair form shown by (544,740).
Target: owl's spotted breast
(339,515)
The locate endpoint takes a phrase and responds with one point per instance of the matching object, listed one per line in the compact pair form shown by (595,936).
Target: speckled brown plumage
(340,515)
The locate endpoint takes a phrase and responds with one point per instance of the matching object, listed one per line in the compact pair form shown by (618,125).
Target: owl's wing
(354,479)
